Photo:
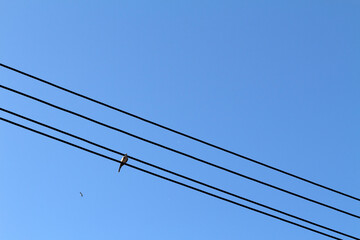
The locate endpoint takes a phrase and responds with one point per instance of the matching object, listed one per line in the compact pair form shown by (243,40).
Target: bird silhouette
(124,159)
(81,194)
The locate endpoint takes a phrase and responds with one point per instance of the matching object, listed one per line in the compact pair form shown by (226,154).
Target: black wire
(174,173)
(181,133)
(168,179)
(181,153)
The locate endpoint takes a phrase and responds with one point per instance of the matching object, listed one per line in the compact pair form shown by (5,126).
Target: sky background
(277,81)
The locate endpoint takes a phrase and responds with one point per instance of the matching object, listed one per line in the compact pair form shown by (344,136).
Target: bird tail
(121,164)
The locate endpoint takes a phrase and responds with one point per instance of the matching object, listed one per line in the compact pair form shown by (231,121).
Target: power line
(171,180)
(181,153)
(174,173)
(181,133)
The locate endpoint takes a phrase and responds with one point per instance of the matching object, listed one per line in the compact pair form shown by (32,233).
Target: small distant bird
(124,159)
(81,194)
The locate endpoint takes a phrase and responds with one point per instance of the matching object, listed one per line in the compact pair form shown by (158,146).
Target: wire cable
(168,179)
(181,133)
(179,152)
(174,173)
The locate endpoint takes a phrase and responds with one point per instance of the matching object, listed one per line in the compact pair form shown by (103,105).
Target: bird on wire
(124,159)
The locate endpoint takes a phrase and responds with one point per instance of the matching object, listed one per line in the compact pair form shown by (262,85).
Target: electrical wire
(181,133)
(168,179)
(174,173)
(181,153)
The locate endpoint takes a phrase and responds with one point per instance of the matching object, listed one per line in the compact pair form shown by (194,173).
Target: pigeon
(124,159)
(81,194)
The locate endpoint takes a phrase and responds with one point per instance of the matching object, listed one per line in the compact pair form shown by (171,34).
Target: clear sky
(277,81)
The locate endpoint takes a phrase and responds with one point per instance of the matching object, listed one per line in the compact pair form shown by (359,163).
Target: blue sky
(277,81)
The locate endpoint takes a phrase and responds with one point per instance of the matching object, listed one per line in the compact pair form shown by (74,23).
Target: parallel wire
(181,133)
(168,179)
(181,153)
(174,173)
